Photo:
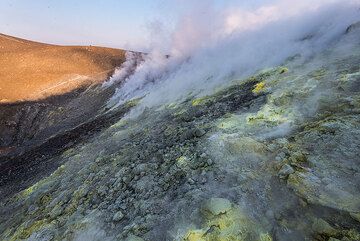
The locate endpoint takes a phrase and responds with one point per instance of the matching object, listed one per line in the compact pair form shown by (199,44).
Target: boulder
(217,206)
(118,216)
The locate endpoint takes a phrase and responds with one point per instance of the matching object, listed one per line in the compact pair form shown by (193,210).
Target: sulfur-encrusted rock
(285,171)
(44,234)
(226,222)
(322,227)
(56,211)
(217,206)
(198,132)
(118,216)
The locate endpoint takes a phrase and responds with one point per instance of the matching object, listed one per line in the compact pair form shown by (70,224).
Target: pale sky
(113,23)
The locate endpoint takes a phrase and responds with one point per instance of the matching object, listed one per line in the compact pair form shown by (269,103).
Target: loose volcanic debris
(266,158)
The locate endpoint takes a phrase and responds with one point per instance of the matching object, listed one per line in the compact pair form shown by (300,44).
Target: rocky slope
(270,157)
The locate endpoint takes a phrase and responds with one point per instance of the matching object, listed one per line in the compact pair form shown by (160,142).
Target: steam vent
(241,127)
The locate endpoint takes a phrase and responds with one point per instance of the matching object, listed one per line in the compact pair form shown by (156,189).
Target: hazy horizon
(111,23)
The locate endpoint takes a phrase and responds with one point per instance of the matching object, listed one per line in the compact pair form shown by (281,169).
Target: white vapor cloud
(238,19)
(210,47)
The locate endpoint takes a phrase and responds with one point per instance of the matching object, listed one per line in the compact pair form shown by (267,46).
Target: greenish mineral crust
(224,221)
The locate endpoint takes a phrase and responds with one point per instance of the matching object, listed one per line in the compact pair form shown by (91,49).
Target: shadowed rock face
(35,127)
(48,133)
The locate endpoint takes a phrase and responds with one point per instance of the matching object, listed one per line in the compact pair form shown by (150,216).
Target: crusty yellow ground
(31,70)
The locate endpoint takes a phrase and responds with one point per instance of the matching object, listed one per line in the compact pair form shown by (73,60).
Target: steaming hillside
(254,136)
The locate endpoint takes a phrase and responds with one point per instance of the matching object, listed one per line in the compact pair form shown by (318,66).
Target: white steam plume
(211,47)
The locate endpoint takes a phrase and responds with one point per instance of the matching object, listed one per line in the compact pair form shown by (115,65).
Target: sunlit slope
(31,70)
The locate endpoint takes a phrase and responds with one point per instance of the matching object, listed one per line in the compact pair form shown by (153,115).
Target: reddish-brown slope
(31,70)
